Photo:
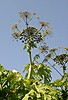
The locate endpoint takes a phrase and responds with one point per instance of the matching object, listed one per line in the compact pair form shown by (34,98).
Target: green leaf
(26,67)
(36,57)
(30,94)
(25,46)
(60,82)
(1,67)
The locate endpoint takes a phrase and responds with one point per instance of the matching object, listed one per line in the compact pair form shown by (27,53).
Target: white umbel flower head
(14,71)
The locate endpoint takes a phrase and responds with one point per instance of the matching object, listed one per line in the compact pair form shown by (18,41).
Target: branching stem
(55,69)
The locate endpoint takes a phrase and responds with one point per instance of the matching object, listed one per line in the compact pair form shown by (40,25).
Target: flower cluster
(44,24)
(31,34)
(61,59)
(26,16)
(43,49)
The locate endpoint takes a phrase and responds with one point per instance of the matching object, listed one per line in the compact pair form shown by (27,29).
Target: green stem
(64,69)
(30,68)
(56,70)
(30,57)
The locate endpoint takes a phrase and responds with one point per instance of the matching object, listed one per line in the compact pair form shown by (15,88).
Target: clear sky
(53,11)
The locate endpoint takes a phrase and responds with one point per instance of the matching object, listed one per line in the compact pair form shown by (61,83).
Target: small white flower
(14,71)
(44,24)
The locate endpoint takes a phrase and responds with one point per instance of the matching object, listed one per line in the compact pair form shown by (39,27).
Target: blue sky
(53,11)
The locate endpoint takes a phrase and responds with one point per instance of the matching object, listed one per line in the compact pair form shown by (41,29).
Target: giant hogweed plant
(32,37)
(36,85)
(62,61)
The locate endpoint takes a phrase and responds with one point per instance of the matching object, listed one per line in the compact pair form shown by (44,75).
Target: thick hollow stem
(30,57)
(30,67)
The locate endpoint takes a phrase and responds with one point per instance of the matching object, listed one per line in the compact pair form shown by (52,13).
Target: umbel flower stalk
(30,57)
(30,36)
